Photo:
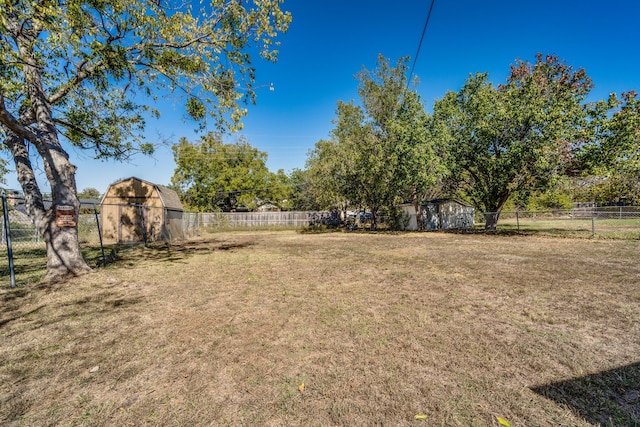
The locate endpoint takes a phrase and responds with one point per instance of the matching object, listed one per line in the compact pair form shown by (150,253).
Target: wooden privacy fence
(255,219)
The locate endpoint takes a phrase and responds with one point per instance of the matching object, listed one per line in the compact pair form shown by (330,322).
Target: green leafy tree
(279,191)
(609,160)
(85,74)
(211,175)
(611,187)
(89,193)
(514,138)
(3,170)
(326,180)
(614,136)
(302,197)
(380,154)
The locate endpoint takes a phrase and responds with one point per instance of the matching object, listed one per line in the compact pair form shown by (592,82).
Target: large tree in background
(83,73)
(89,193)
(211,175)
(614,142)
(515,137)
(608,162)
(326,180)
(380,154)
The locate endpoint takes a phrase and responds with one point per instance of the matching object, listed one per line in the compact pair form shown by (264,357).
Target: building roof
(169,197)
(443,200)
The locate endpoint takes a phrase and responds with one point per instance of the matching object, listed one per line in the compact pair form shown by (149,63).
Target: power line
(424,30)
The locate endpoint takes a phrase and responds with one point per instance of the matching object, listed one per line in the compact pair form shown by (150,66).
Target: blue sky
(329,41)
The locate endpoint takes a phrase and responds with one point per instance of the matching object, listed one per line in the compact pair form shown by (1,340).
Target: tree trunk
(491,221)
(374,216)
(64,258)
(418,208)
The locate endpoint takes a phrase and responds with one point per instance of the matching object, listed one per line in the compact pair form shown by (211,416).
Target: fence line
(257,219)
(141,224)
(122,223)
(607,222)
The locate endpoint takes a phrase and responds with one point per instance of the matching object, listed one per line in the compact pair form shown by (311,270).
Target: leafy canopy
(104,64)
(211,175)
(380,152)
(515,137)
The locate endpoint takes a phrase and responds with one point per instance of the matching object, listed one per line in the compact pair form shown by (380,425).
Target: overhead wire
(424,30)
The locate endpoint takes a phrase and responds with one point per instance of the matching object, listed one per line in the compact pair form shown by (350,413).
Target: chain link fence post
(7,231)
(104,258)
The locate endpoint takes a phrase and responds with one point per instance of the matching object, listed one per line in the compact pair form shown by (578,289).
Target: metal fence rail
(618,222)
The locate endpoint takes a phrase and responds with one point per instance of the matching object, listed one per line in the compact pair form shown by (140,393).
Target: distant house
(440,214)
(268,207)
(135,210)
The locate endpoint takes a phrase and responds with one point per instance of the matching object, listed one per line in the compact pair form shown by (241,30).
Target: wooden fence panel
(256,219)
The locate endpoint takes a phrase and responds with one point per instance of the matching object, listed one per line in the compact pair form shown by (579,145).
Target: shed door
(131,226)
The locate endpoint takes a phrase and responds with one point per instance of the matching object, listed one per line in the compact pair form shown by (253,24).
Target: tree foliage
(326,180)
(515,137)
(607,164)
(211,175)
(89,193)
(614,136)
(86,74)
(4,168)
(379,154)
(303,197)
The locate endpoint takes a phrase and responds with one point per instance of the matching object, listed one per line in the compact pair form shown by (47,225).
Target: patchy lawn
(352,329)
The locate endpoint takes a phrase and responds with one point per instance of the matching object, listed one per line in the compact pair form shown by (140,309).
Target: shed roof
(444,200)
(169,197)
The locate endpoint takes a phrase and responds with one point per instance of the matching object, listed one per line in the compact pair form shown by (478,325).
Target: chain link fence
(23,252)
(610,222)
(104,230)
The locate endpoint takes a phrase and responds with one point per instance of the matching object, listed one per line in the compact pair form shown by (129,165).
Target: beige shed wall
(123,223)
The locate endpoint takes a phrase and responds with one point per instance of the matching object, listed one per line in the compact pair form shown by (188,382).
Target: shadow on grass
(609,398)
(29,265)
(16,305)
(4,321)
(507,231)
(162,251)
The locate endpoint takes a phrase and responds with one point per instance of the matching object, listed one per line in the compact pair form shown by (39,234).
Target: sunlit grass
(224,330)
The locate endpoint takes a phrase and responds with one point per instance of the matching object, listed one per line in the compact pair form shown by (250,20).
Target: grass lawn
(351,329)
(607,228)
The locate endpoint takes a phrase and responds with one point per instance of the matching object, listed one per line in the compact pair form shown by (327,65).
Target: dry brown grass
(378,327)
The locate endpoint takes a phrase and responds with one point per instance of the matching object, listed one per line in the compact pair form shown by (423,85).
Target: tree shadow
(19,306)
(5,320)
(609,398)
(170,252)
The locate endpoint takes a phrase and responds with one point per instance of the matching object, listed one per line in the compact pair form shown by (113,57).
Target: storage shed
(440,214)
(135,210)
